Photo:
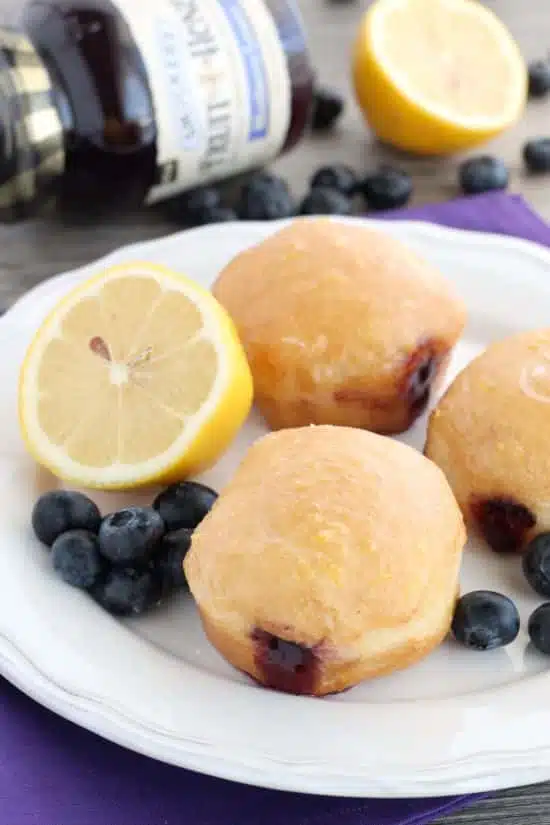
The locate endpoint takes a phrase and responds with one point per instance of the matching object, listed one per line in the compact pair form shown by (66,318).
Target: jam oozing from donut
(419,374)
(503,522)
(414,382)
(283,665)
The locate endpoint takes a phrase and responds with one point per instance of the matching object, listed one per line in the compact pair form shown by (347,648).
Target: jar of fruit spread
(117,102)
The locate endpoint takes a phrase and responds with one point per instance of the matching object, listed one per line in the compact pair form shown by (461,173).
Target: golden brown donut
(489,436)
(332,556)
(341,324)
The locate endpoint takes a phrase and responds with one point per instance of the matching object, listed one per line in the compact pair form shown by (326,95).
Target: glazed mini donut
(489,436)
(342,325)
(332,556)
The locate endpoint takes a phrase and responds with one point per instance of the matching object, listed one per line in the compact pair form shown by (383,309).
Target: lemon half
(137,376)
(437,76)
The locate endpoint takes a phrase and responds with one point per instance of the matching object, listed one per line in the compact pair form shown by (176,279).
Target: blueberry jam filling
(283,665)
(421,370)
(420,385)
(503,522)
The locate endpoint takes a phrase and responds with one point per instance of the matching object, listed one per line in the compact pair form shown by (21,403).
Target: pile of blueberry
(485,620)
(132,560)
(128,561)
(333,190)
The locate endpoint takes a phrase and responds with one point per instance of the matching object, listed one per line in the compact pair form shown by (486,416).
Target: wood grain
(37,250)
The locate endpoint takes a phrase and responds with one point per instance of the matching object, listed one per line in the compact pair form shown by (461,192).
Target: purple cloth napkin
(494,212)
(54,773)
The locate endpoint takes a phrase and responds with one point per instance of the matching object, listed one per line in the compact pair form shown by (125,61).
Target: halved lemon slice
(137,376)
(437,76)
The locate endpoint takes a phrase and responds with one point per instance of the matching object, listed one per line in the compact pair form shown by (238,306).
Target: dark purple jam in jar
(146,100)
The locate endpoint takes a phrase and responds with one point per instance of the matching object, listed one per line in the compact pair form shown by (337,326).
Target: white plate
(458,722)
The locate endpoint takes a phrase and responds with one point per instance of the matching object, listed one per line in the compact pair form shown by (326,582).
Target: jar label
(220,84)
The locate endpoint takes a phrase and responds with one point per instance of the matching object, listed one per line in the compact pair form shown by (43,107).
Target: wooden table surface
(34,251)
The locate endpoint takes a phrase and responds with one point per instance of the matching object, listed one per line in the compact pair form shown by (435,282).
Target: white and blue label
(256,74)
(220,83)
(177,65)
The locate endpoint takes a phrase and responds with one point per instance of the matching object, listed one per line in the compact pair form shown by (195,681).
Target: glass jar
(114,103)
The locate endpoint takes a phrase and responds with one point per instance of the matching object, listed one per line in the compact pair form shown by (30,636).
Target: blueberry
(328,106)
(60,510)
(339,176)
(265,197)
(188,208)
(128,591)
(323,200)
(131,535)
(536,564)
(76,558)
(218,214)
(214,214)
(536,154)
(206,197)
(484,620)
(184,505)
(482,174)
(387,188)
(539,78)
(266,178)
(169,561)
(539,628)
(177,539)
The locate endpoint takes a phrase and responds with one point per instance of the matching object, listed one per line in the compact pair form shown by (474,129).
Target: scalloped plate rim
(479,771)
